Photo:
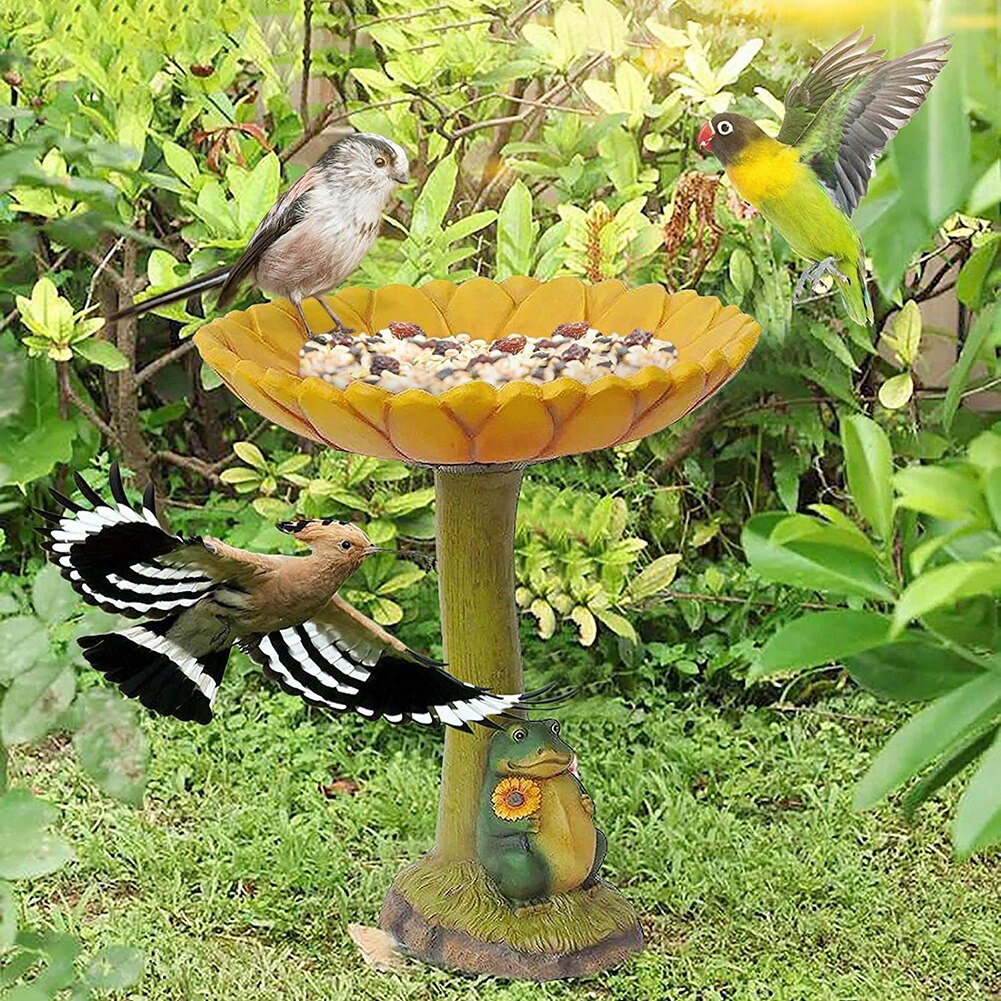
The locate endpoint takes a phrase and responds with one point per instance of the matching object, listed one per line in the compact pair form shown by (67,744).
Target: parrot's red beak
(705,140)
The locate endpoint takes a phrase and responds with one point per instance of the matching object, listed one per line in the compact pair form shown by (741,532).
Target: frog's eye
(555,727)
(519,734)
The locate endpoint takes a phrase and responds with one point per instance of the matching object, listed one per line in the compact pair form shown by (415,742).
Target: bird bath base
(450,915)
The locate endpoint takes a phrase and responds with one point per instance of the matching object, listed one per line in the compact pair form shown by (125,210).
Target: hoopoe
(199,597)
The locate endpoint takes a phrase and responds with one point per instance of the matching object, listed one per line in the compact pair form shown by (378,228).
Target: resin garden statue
(536,836)
(478,381)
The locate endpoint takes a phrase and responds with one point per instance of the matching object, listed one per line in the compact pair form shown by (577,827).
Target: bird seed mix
(402,356)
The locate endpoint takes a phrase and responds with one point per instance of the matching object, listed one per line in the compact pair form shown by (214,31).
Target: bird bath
(443,908)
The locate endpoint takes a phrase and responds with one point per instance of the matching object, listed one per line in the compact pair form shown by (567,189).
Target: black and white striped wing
(119,558)
(342,661)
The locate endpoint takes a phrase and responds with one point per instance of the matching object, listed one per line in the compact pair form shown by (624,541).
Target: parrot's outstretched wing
(342,660)
(844,111)
(119,558)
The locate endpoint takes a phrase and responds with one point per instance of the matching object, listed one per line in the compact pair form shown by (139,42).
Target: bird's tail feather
(149,666)
(855,292)
(202,283)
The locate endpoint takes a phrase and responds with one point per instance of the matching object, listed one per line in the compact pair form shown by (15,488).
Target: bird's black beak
(402,177)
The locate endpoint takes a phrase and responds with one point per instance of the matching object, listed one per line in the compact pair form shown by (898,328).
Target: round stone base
(451,915)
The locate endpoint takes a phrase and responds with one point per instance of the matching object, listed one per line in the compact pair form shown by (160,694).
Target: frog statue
(535,834)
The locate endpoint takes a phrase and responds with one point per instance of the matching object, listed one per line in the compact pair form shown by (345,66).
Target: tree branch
(199,466)
(67,391)
(709,418)
(146,373)
(307,59)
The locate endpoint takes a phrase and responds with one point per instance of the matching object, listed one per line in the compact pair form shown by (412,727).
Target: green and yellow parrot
(808,180)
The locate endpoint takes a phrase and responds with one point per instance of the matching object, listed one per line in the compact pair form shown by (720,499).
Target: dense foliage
(142,143)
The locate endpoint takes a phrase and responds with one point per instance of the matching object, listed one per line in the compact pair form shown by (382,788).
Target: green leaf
(52,595)
(933,731)
(8,916)
(27,848)
(820,638)
(24,640)
(110,746)
(987,321)
(114,968)
(251,455)
(181,162)
(101,352)
(945,771)
(970,284)
(516,233)
(943,586)
(545,616)
(897,391)
(911,670)
(258,192)
(406,578)
(741,270)
(432,204)
(35,701)
(978,815)
(942,492)
(655,578)
(586,626)
(468,225)
(814,566)
(619,624)
(869,468)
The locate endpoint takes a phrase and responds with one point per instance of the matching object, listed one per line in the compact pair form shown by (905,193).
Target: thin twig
(199,466)
(67,390)
(115,247)
(163,361)
(728,599)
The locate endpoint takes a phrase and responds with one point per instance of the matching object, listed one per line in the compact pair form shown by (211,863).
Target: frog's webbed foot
(814,273)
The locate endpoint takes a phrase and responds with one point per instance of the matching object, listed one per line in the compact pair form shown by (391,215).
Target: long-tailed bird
(809,179)
(316,234)
(199,597)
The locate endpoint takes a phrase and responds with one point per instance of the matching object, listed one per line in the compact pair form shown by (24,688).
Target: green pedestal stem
(444,908)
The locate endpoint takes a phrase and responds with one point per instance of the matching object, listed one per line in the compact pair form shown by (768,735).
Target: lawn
(729,827)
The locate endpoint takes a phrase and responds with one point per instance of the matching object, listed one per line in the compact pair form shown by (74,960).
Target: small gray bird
(316,234)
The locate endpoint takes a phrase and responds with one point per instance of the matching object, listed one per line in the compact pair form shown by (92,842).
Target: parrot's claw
(813,274)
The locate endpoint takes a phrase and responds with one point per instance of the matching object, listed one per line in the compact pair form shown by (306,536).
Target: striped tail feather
(146,664)
(212,279)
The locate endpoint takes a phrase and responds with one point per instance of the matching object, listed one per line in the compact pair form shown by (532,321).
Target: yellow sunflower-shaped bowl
(256,353)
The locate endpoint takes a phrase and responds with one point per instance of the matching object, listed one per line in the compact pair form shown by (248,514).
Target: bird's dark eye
(380,161)
(555,727)
(519,734)
(345,544)
(724,128)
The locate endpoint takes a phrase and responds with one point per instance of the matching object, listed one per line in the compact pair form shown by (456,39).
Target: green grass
(731,831)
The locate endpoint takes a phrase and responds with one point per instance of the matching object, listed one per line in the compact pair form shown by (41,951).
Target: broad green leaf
(24,641)
(817,567)
(181,162)
(945,771)
(516,233)
(46,313)
(904,333)
(606,27)
(468,225)
(988,321)
(52,596)
(8,916)
(115,967)
(101,352)
(432,204)
(34,702)
(619,624)
(869,468)
(258,192)
(943,586)
(942,492)
(911,670)
(654,578)
(545,616)
(978,815)
(970,284)
(406,578)
(932,732)
(27,848)
(251,454)
(897,391)
(820,638)
(110,746)
(586,626)
(741,270)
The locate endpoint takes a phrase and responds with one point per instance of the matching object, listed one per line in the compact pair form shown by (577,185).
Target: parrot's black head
(725,135)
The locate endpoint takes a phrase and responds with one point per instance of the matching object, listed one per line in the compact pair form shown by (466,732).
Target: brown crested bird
(199,597)
(315,235)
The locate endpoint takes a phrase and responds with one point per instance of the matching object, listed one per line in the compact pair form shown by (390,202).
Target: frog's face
(530,747)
